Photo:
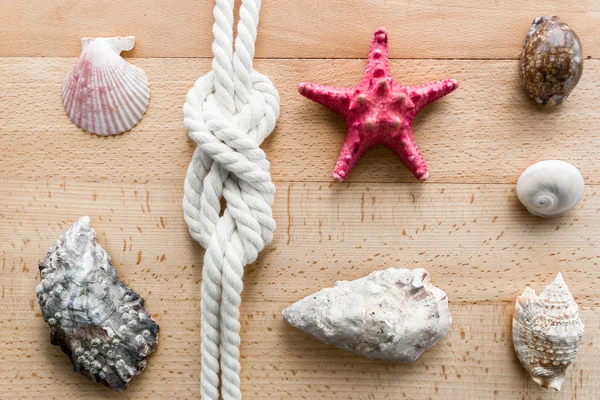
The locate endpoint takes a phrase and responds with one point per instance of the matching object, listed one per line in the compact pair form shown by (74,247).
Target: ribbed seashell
(103,93)
(395,314)
(98,321)
(551,61)
(550,188)
(547,332)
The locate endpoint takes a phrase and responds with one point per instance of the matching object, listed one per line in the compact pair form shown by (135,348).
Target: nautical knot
(229,112)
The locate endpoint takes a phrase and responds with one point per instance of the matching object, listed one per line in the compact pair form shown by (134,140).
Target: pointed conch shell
(103,93)
(550,188)
(547,332)
(395,314)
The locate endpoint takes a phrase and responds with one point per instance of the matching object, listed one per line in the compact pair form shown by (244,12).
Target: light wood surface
(295,29)
(485,132)
(464,225)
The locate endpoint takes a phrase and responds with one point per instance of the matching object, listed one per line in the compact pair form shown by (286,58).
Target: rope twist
(228,112)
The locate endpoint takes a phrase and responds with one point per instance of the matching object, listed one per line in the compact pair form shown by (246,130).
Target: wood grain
(486,132)
(482,248)
(464,225)
(295,29)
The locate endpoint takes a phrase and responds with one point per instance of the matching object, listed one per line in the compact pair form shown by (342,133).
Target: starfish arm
(430,92)
(406,148)
(352,149)
(336,99)
(378,65)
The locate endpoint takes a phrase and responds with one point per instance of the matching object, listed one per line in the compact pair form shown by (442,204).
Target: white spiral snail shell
(550,188)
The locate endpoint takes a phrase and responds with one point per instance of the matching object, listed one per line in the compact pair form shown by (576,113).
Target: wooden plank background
(464,225)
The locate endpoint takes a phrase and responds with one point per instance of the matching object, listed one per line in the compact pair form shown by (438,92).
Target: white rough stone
(395,315)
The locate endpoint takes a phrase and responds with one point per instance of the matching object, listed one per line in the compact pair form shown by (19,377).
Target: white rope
(229,112)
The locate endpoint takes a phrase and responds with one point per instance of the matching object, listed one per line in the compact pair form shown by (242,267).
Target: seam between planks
(346,182)
(124,55)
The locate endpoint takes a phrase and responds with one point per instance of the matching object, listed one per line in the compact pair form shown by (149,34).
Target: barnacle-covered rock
(98,321)
(395,314)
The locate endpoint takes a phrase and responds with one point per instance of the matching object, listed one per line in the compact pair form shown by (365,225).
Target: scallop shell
(550,188)
(103,93)
(98,321)
(395,314)
(547,332)
(551,61)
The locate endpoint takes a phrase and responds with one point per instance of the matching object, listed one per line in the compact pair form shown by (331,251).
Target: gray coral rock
(395,315)
(98,321)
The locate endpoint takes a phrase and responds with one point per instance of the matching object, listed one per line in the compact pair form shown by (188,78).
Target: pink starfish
(378,111)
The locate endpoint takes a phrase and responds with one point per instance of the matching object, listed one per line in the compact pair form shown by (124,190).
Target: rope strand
(228,112)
